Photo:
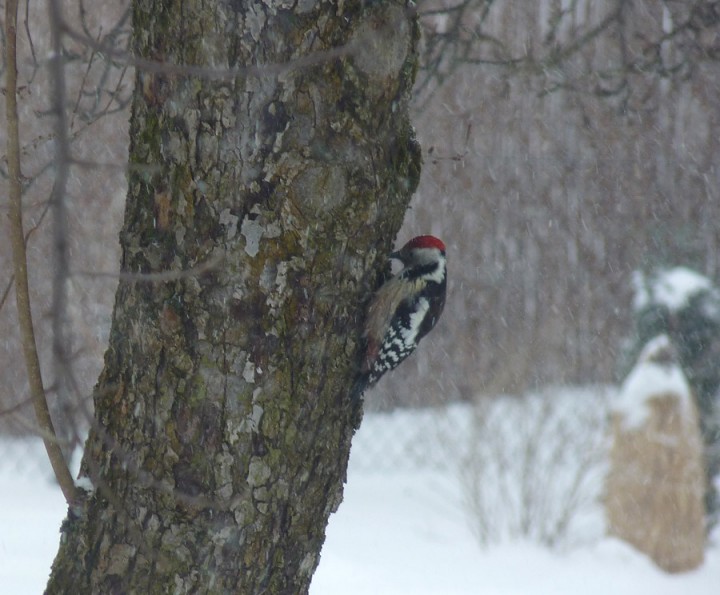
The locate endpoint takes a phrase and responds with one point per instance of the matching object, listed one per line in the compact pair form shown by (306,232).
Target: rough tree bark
(223,423)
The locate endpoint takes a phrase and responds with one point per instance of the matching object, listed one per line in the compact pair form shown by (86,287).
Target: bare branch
(33,229)
(26,23)
(214,73)
(16,407)
(212,263)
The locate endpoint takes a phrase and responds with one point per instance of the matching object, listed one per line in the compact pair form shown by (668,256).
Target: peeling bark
(223,423)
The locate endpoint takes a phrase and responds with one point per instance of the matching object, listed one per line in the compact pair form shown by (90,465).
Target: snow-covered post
(655,485)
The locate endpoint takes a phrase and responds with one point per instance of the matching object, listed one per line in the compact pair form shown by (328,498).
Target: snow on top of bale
(656,373)
(672,288)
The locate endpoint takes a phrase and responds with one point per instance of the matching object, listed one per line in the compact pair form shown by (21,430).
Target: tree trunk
(267,194)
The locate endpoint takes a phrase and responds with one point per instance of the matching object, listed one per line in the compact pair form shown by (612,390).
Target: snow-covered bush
(535,466)
(655,484)
(685,306)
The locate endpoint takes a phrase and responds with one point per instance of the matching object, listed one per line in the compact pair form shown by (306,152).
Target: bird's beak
(396,255)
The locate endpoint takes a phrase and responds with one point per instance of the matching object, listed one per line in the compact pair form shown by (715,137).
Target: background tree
(271,162)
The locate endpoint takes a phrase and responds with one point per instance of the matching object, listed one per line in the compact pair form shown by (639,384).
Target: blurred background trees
(567,144)
(98,93)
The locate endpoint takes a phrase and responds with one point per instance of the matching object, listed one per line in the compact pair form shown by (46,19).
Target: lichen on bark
(223,422)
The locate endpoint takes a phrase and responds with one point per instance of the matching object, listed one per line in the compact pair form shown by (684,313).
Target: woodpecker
(404,309)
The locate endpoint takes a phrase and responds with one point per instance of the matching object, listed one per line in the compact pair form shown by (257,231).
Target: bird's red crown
(425,242)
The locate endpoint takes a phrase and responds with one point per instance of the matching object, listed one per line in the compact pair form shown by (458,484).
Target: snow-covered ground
(405,524)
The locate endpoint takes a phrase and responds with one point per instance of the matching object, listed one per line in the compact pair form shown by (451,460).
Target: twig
(22,293)
(11,281)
